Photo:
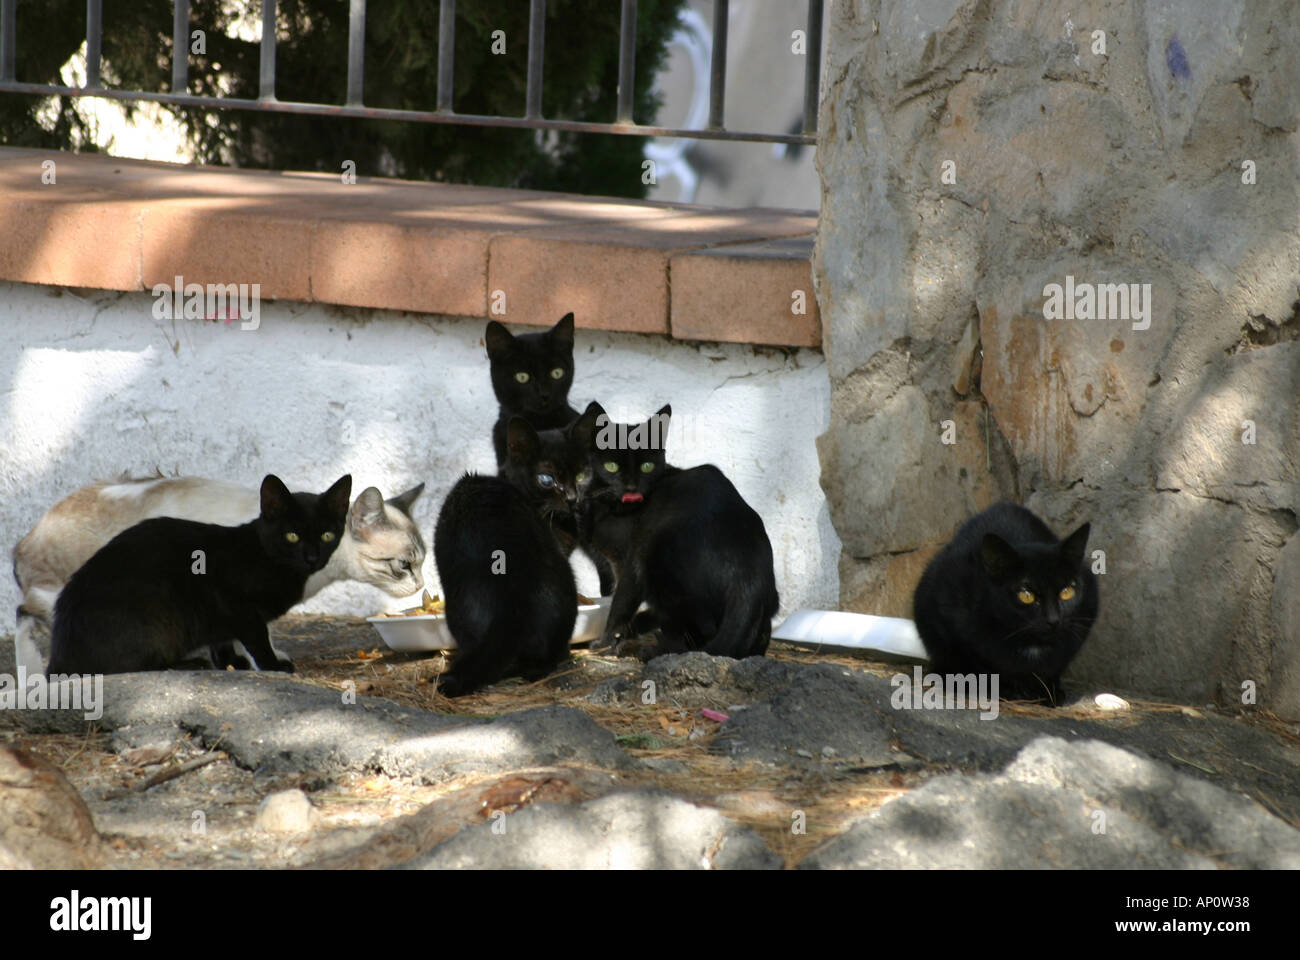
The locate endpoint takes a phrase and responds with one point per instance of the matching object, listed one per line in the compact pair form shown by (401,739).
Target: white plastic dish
(428,631)
(889,636)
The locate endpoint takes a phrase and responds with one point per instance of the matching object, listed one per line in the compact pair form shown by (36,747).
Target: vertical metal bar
(626,61)
(356,52)
(536,52)
(94,40)
(446,54)
(718,67)
(812,76)
(181,47)
(266,89)
(8,41)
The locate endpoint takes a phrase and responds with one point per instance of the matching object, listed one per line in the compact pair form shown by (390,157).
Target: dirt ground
(206,819)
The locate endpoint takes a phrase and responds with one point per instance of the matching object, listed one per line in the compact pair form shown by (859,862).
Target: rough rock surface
(792,712)
(1066,805)
(824,713)
(300,773)
(44,823)
(633,830)
(276,724)
(972,153)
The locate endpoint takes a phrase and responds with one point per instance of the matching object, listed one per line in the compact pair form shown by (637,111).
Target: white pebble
(288,811)
(1108,701)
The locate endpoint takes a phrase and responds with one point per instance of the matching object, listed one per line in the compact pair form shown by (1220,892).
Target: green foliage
(401,65)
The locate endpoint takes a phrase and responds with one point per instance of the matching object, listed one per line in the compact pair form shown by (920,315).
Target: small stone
(288,811)
(150,755)
(1108,701)
(804,753)
(828,752)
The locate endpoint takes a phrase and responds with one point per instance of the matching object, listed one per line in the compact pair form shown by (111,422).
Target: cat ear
(521,440)
(275,497)
(498,338)
(659,427)
(336,498)
(404,500)
(1074,546)
(563,331)
(585,427)
(368,510)
(1000,558)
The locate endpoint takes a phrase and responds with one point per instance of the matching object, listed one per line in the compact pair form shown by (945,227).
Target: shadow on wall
(96,386)
(1011,148)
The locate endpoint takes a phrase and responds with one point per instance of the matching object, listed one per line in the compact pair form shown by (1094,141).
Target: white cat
(382,545)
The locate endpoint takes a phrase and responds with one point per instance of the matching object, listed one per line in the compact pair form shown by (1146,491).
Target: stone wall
(974,152)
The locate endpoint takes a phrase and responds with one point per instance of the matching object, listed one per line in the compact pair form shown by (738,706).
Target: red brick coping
(697,273)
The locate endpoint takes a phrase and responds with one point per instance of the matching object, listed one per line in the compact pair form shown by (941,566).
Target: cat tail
(746,626)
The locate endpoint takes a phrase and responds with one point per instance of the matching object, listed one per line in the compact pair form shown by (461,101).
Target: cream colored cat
(382,545)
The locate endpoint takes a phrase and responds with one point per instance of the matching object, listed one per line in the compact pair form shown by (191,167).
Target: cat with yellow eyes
(167,589)
(1007,597)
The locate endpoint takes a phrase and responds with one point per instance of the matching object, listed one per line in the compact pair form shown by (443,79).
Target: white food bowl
(890,636)
(428,631)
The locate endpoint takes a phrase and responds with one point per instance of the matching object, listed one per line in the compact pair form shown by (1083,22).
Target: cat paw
(449,685)
(642,647)
(283,666)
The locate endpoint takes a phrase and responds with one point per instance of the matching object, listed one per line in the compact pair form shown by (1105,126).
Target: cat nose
(1053,615)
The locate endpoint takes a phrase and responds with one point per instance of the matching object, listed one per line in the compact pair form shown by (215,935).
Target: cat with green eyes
(693,561)
(531,377)
(167,589)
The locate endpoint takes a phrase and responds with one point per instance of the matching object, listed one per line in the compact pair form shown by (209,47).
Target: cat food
(436,606)
(429,606)
(425,627)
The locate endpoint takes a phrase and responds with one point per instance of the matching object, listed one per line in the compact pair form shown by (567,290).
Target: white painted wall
(91,385)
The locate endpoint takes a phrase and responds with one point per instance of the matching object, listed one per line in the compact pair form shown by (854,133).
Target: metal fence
(354,106)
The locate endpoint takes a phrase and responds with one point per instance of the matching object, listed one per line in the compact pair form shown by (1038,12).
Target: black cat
(1007,597)
(166,588)
(623,464)
(546,466)
(511,601)
(531,377)
(684,542)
